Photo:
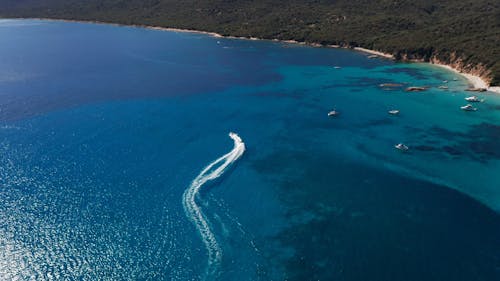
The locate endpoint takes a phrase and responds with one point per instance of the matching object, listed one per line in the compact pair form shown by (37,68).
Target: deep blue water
(104,128)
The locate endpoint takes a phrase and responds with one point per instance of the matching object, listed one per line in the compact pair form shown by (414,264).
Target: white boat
(468,107)
(443,87)
(401,147)
(333,113)
(445,81)
(473,99)
(394,112)
(337,67)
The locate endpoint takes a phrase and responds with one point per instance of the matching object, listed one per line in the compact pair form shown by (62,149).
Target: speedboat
(401,147)
(394,112)
(337,67)
(468,107)
(443,87)
(473,99)
(333,113)
(445,81)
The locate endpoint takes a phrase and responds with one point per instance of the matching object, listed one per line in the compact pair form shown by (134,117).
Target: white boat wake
(193,211)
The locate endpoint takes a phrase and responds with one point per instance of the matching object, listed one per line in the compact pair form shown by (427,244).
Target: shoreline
(474,81)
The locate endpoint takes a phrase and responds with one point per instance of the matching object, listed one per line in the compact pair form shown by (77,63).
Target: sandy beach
(373,52)
(475,81)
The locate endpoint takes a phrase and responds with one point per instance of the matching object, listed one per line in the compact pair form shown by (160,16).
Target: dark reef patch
(479,143)
(368,224)
(413,72)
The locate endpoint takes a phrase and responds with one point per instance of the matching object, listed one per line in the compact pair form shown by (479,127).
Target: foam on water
(194,212)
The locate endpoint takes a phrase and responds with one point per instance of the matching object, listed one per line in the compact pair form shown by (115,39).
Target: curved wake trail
(193,211)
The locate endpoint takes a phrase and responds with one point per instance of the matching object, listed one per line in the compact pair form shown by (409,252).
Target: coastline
(474,80)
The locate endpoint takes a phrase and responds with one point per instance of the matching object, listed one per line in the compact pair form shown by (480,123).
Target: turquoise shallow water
(104,128)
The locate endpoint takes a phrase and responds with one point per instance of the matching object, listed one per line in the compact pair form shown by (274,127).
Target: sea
(129,153)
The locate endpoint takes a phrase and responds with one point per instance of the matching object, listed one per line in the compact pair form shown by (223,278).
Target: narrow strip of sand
(373,52)
(474,81)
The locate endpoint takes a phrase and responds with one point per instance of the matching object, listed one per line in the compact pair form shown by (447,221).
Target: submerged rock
(476,89)
(415,89)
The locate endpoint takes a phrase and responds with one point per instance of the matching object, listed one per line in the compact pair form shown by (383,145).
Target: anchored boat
(468,107)
(473,99)
(401,147)
(333,113)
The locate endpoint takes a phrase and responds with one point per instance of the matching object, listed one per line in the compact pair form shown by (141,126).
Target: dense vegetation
(465,33)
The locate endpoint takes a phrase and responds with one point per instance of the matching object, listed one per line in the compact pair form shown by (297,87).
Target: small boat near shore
(468,107)
(401,147)
(473,99)
(393,112)
(443,87)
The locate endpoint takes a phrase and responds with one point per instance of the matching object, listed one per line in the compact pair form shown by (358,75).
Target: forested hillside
(462,33)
